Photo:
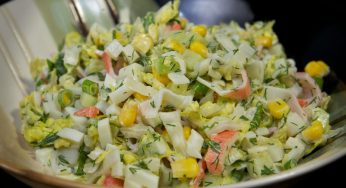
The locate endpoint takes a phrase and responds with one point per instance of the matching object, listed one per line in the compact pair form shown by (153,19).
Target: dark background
(309,30)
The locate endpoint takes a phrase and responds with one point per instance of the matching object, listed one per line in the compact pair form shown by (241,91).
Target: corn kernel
(176,46)
(185,168)
(161,78)
(128,113)
(142,43)
(314,132)
(265,41)
(200,29)
(121,38)
(129,158)
(199,48)
(140,97)
(61,143)
(317,68)
(278,108)
(187,132)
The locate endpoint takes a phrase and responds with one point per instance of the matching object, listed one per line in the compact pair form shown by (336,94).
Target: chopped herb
(238,174)
(210,126)
(207,183)
(172,125)
(235,51)
(255,123)
(62,159)
(59,65)
(44,117)
(253,140)
(48,140)
(215,146)
(169,108)
(190,40)
(81,161)
(244,118)
(290,164)
(148,20)
(142,164)
(133,170)
(152,104)
(267,171)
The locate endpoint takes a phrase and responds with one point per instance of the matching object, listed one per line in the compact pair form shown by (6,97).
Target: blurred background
(314,30)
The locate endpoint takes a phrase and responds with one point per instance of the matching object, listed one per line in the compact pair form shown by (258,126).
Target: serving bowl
(36,28)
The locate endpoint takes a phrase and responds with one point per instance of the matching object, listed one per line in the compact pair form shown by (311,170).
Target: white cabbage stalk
(51,106)
(134,70)
(70,154)
(262,131)
(219,124)
(130,54)
(71,56)
(245,52)
(137,176)
(172,123)
(45,156)
(295,124)
(194,144)
(178,78)
(150,108)
(113,161)
(94,154)
(136,131)
(110,81)
(102,106)
(130,184)
(90,167)
(177,57)
(234,155)
(276,152)
(113,110)
(104,130)
(120,95)
(255,70)
(225,42)
(71,134)
(257,149)
(114,49)
(139,87)
(320,115)
(297,147)
(208,109)
(153,164)
(311,91)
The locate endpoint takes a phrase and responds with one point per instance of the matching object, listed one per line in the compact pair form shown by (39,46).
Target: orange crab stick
(216,154)
(107,60)
(243,91)
(90,111)
(198,179)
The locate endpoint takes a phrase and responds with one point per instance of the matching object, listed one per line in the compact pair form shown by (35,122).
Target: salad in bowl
(163,102)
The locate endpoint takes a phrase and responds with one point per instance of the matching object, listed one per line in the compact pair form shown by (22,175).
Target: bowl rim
(280,177)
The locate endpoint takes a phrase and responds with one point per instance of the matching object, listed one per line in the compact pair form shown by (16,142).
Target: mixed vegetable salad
(164,102)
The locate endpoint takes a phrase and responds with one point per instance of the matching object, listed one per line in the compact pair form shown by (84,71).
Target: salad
(166,103)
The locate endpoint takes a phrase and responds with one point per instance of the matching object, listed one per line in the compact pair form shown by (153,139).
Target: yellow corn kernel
(121,38)
(140,97)
(200,29)
(185,168)
(128,113)
(129,158)
(317,68)
(278,108)
(161,78)
(61,143)
(142,43)
(314,132)
(176,46)
(187,132)
(199,48)
(265,41)
(102,156)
